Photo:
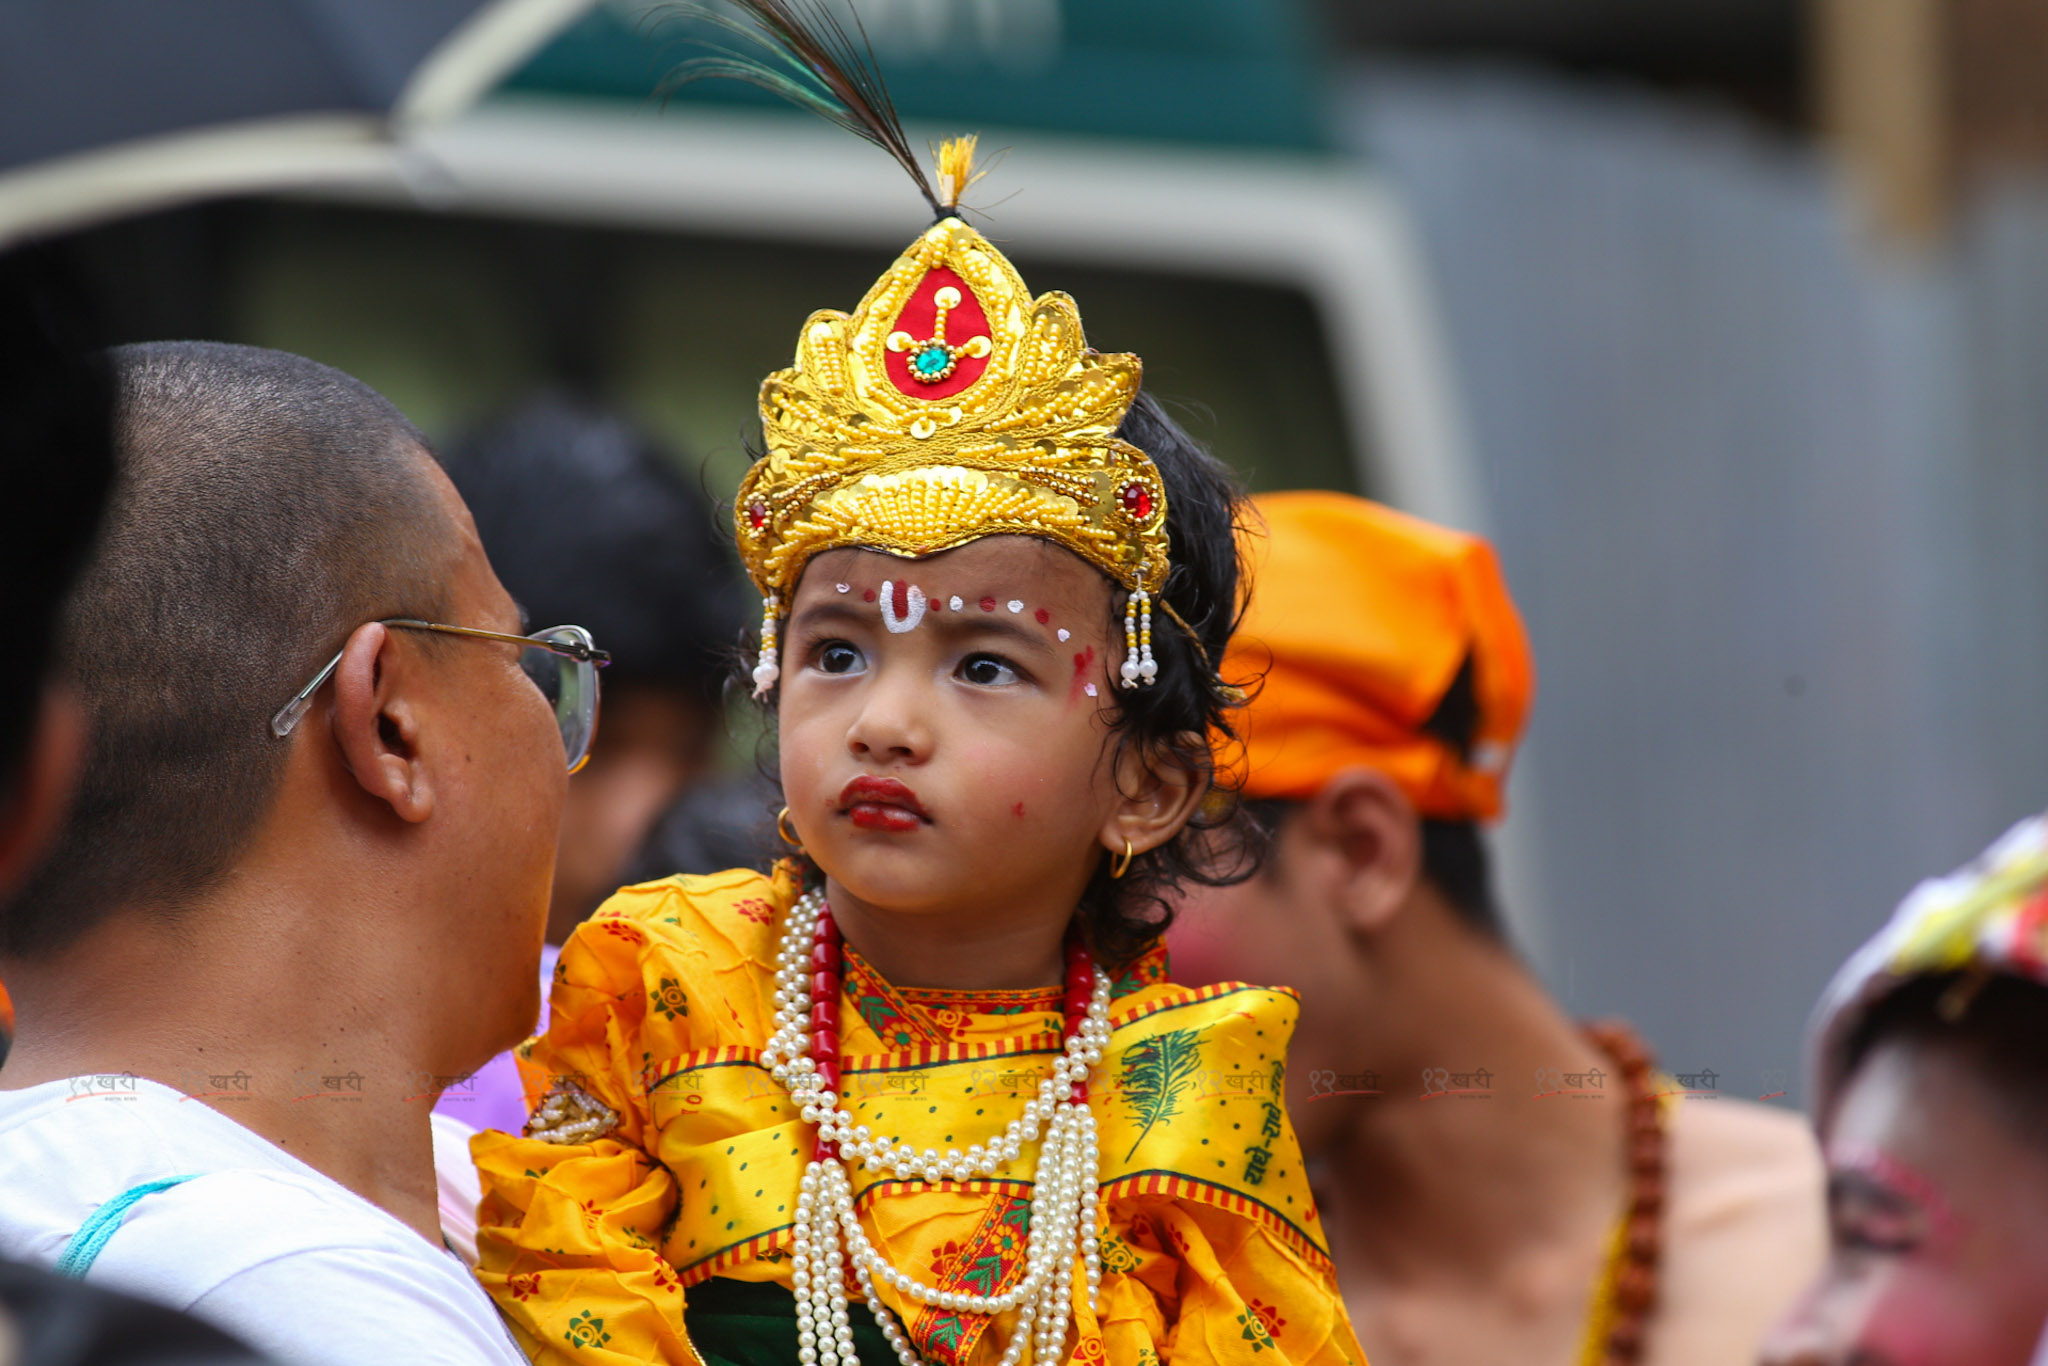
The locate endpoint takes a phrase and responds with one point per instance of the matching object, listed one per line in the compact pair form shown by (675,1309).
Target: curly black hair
(1186,712)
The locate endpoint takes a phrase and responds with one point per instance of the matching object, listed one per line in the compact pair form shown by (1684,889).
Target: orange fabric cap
(1359,622)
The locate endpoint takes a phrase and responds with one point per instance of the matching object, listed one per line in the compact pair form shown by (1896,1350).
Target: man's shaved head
(266,506)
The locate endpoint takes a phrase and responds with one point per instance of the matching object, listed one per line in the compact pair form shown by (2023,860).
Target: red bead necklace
(828,969)
(1632,1275)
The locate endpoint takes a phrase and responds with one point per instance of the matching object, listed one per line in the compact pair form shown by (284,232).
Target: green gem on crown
(932,361)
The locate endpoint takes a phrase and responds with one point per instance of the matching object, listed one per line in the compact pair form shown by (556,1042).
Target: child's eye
(838,657)
(988,670)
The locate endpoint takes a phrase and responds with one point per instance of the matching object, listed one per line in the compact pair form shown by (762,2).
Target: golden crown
(950,406)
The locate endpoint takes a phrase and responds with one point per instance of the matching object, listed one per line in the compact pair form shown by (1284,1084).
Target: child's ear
(1160,787)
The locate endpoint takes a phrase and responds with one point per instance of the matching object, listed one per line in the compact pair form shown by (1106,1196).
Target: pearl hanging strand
(1139,669)
(766,669)
(803,1056)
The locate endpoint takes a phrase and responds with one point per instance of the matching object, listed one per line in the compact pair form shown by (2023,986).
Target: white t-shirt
(258,1243)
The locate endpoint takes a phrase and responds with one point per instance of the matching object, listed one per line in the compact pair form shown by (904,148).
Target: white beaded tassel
(830,1240)
(766,669)
(1147,670)
(1133,660)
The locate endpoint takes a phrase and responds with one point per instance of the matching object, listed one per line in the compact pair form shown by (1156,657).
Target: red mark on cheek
(1084,669)
(1018,811)
(868,596)
(1043,616)
(988,604)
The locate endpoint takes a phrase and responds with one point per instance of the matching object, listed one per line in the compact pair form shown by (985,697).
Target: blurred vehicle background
(1727,319)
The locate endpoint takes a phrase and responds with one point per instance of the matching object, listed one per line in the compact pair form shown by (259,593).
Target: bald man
(291,903)
(1498,1182)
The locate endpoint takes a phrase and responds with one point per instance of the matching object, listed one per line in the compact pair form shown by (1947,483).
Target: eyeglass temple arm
(575,649)
(295,710)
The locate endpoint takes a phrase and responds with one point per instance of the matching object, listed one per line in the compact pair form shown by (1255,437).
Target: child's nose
(893,723)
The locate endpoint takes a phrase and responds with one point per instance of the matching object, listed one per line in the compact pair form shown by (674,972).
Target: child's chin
(902,881)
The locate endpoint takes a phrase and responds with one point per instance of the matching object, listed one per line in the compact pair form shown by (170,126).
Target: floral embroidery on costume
(1255,1330)
(586,1330)
(668,998)
(989,1262)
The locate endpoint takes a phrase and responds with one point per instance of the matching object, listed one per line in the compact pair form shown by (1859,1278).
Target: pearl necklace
(803,1057)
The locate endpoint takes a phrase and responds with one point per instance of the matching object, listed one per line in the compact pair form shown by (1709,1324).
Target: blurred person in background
(305,880)
(586,519)
(57,448)
(1932,1105)
(1539,1195)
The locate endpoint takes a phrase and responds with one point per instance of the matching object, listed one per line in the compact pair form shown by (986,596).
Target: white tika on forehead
(913,612)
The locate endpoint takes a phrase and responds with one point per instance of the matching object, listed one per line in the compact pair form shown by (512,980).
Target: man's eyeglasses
(562,661)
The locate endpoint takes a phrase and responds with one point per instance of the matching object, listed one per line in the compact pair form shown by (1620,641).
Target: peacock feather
(809,59)
(1155,1073)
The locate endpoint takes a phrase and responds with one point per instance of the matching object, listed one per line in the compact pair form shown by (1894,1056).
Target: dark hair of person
(55,433)
(1454,855)
(1206,508)
(1995,1025)
(587,520)
(265,506)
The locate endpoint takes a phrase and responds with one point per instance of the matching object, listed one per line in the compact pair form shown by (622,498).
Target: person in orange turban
(1497,1181)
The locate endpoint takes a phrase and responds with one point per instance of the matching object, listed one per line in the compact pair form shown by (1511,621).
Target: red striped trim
(1180,1187)
(727,1258)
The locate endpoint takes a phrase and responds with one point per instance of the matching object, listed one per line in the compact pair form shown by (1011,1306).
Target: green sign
(1236,72)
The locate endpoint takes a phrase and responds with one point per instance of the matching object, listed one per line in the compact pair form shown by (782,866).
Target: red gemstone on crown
(1137,500)
(757,514)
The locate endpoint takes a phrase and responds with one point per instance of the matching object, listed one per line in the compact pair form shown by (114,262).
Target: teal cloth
(84,1248)
(752,1323)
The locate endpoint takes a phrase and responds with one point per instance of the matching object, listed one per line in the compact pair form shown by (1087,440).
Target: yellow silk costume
(1212,1250)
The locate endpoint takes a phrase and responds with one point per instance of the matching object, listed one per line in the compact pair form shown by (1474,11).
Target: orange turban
(1360,620)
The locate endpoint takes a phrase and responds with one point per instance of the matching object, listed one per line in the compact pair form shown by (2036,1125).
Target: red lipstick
(882,804)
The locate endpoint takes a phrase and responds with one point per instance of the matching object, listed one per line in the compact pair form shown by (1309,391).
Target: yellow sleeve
(1186,1282)
(569,1233)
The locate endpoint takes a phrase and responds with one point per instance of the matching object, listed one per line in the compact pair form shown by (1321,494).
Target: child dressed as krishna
(924,1092)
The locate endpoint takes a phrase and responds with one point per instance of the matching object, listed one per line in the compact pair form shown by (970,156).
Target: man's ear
(1160,789)
(376,724)
(32,806)
(1363,816)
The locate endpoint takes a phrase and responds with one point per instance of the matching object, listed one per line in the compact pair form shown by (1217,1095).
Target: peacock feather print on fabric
(1155,1073)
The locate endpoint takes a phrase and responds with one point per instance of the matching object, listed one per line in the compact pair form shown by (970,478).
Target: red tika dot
(988,604)
(1137,500)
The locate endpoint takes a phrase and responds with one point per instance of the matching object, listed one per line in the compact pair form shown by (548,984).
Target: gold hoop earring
(782,829)
(1123,862)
